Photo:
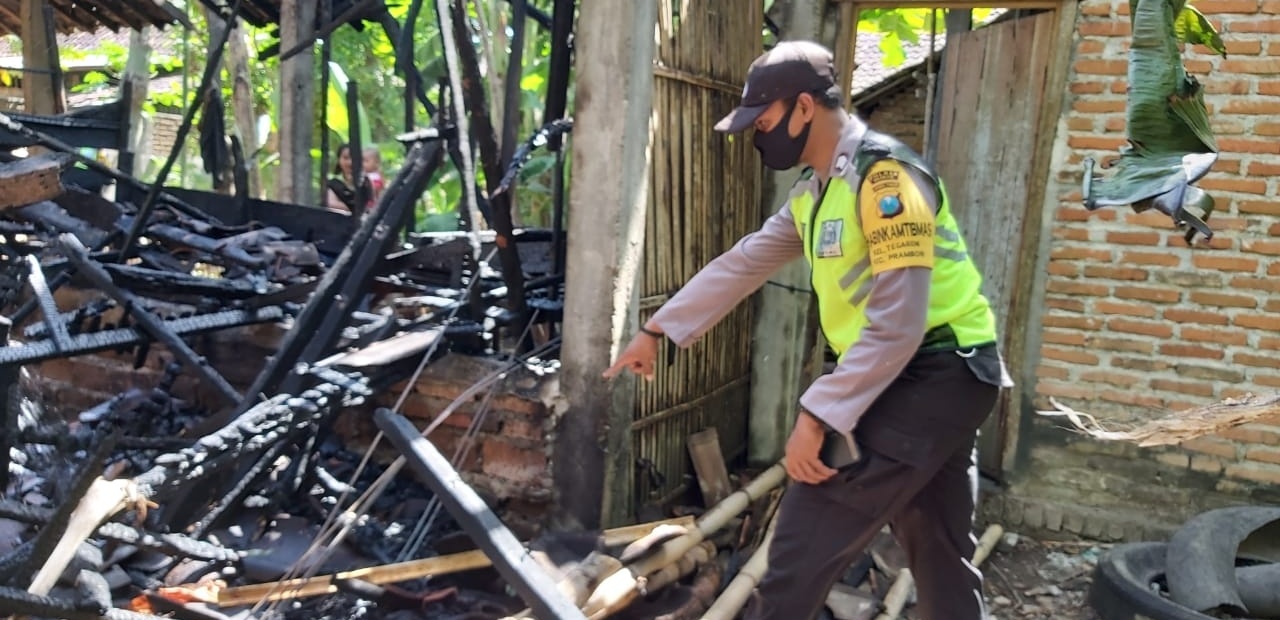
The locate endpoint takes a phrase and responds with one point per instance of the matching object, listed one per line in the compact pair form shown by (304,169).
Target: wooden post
(297,102)
(42,81)
(609,195)
(133,89)
(846,43)
(246,121)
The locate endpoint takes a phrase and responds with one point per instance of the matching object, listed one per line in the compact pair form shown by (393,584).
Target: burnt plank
(30,180)
(95,210)
(69,130)
(48,307)
(516,565)
(8,405)
(83,344)
(329,231)
(158,283)
(318,326)
(50,216)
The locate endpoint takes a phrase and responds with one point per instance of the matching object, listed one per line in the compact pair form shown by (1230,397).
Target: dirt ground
(1040,579)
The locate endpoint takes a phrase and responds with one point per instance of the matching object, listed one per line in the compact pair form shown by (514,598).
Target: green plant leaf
(1171,145)
(336,117)
(891,48)
(1194,28)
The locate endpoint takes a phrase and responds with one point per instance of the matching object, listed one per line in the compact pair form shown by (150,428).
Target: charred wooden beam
(512,560)
(9,405)
(177,235)
(48,307)
(24,604)
(154,327)
(356,150)
(178,544)
(93,342)
(243,438)
(491,160)
(318,326)
(159,283)
(90,207)
(123,17)
(246,482)
(561,66)
(64,438)
(7,122)
(29,180)
(53,217)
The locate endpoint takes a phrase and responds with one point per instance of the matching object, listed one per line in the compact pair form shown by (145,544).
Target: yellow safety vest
(837,252)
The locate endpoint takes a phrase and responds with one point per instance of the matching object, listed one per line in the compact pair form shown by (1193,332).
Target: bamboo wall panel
(704,195)
(993,82)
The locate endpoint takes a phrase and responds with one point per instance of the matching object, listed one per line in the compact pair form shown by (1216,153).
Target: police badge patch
(829,239)
(890,205)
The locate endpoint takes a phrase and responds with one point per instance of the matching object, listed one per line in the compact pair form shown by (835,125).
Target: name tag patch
(829,239)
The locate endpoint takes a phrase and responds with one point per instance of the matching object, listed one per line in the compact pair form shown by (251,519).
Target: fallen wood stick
(104,499)
(619,589)
(1180,426)
(735,595)
(896,599)
(402,571)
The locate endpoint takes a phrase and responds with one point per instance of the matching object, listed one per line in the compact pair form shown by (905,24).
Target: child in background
(373,171)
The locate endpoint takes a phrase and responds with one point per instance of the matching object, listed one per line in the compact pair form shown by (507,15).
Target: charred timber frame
(509,556)
(151,324)
(319,324)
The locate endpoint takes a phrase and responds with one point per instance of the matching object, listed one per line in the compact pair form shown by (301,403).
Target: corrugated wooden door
(991,93)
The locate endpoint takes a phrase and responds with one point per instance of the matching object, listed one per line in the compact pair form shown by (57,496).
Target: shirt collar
(847,146)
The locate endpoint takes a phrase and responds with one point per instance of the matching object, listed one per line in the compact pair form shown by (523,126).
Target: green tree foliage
(368,56)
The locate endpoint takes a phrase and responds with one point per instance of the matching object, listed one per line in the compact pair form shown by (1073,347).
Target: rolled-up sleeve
(707,297)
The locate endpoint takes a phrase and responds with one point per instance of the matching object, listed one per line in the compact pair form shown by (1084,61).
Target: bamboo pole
(735,595)
(669,574)
(900,591)
(620,588)
(403,571)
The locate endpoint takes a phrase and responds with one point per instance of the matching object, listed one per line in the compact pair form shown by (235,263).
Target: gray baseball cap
(790,68)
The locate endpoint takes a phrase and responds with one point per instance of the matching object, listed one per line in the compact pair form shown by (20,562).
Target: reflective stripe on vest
(837,254)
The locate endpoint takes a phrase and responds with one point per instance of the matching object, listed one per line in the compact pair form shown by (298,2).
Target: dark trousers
(917,443)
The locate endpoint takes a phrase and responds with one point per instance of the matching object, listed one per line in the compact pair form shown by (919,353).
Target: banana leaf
(1171,145)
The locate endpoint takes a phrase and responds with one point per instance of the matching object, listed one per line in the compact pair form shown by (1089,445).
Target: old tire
(1123,586)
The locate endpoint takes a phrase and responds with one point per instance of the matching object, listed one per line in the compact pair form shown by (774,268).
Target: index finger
(617,367)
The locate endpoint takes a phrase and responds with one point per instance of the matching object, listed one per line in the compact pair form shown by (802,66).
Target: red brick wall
(510,457)
(1134,323)
(68,386)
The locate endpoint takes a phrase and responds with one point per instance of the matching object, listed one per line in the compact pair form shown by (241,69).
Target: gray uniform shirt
(896,308)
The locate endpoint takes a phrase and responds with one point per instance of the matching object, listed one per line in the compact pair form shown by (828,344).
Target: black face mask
(778,150)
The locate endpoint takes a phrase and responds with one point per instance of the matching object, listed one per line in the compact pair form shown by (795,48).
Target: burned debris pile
(124,508)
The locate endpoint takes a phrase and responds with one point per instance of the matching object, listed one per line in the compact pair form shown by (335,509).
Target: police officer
(888,436)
